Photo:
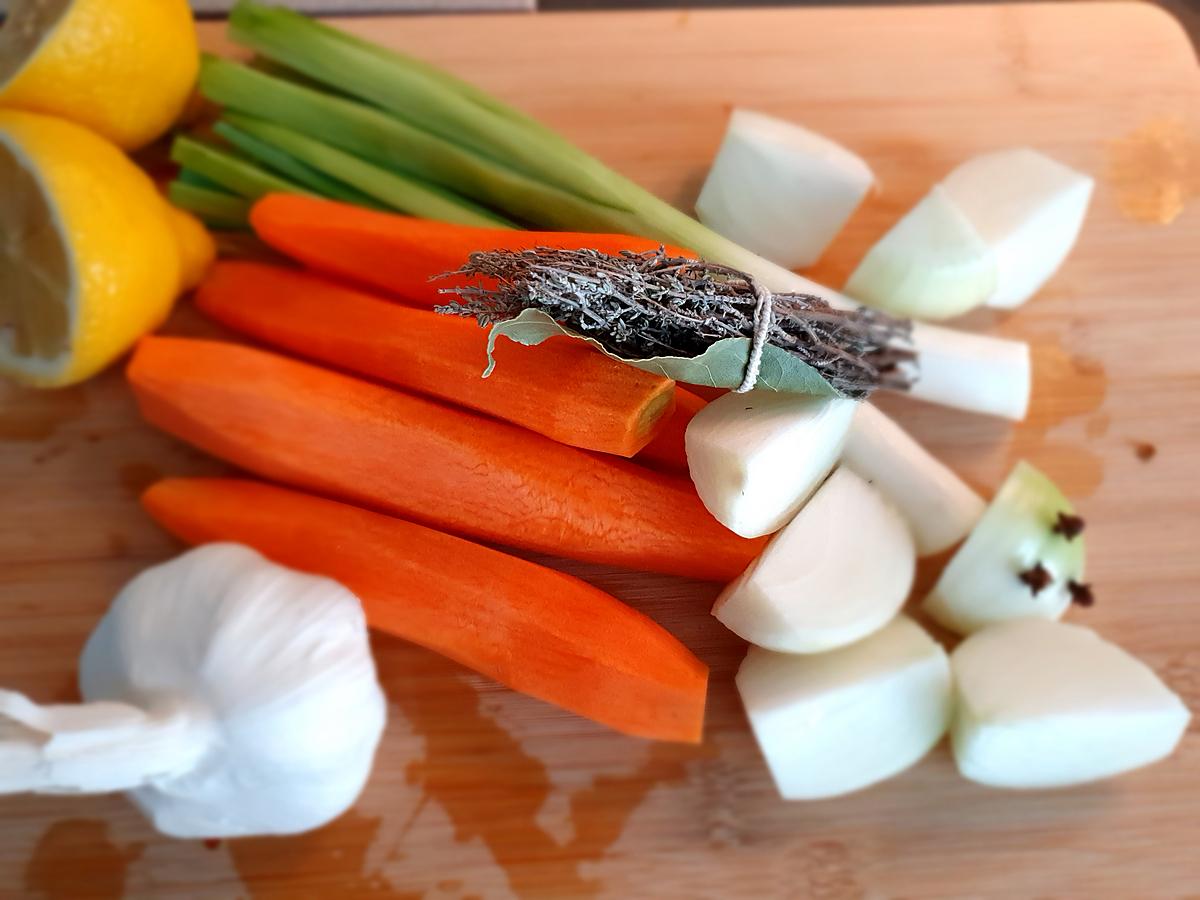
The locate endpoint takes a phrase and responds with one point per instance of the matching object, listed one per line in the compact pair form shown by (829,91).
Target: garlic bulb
(230,696)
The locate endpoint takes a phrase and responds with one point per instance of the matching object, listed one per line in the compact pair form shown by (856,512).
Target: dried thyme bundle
(645,305)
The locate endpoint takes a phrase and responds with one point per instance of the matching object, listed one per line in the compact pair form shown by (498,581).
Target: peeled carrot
(536,630)
(563,388)
(403,454)
(401,254)
(706,393)
(667,450)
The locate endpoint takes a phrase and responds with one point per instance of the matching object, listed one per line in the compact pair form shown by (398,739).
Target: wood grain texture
(482,793)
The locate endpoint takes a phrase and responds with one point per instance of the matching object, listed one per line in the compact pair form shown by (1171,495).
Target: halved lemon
(91,255)
(124,68)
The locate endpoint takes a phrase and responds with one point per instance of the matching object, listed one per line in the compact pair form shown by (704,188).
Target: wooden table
(483,793)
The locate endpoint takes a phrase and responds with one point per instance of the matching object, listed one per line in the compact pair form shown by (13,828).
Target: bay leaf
(722,365)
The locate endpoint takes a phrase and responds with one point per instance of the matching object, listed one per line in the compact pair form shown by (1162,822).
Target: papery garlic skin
(260,710)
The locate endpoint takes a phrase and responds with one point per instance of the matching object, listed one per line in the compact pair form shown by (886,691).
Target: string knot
(764,318)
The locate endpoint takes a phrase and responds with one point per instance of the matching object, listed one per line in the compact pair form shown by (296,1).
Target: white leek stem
(974,372)
(940,507)
(92,748)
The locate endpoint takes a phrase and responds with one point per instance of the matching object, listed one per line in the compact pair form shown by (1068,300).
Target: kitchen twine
(764,318)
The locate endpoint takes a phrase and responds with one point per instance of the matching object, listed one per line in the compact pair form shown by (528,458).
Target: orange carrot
(667,450)
(403,454)
(706,393)
(397,253)
(536,630)
(563,388)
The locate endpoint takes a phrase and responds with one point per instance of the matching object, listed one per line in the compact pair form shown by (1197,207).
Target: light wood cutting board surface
(482,793)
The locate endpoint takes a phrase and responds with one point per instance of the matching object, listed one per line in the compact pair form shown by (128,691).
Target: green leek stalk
(216,208)
(422,95)
(292,168)
(387,141)
(425,121)
(382,188)
(234,174)
(187,176)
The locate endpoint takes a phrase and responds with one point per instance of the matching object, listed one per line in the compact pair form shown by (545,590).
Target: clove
(1037,577)
(1081,594)
(1069,526)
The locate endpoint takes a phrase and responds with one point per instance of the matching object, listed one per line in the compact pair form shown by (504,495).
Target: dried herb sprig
(643,305)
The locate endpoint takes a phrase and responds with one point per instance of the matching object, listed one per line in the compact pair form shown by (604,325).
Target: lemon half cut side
(92,257)
(37,281)
(123,68)
(29,24)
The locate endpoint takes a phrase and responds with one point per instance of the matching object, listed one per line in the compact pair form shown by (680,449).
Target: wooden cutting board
(479,792)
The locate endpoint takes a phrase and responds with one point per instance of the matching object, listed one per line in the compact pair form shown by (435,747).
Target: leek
(391,143)
(422,95)
(215,208)
(428,124)
(290,167)
(237,175)
(381,188)
(187,176)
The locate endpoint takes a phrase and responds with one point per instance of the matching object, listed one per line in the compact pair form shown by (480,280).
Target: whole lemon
(123,68)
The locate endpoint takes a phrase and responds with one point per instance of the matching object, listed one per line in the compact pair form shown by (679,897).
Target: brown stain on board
(28,415)
(68,689)
(1154,171)
(328,862)
(1077,470)
(76,858)
(118,545)
(492,790)
(1066,386)
(485,782)
(137,476)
